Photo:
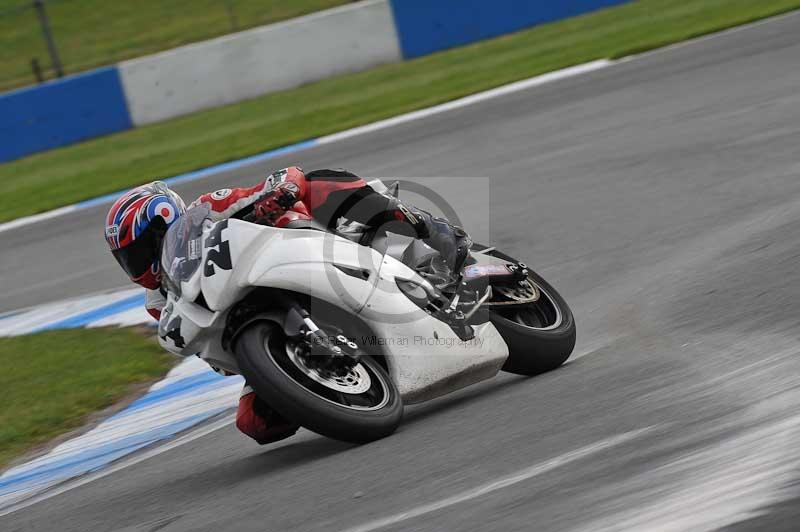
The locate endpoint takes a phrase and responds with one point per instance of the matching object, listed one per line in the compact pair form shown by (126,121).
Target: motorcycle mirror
(394,189)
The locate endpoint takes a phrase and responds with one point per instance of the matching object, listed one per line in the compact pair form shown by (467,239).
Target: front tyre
(358,403)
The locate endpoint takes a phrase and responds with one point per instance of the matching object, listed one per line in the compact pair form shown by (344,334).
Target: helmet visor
(142,253)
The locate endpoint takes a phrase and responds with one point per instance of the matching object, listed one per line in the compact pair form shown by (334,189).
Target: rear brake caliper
(519,271)
(519,288)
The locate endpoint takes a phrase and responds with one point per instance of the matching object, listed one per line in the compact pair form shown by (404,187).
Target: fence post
(37,70)
(48,37)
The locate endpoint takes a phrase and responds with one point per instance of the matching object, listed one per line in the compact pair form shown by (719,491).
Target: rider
(138,220)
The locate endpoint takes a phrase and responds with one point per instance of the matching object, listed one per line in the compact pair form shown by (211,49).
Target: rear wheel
(333,396)
(540,334)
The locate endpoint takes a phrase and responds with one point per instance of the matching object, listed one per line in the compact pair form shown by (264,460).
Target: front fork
(333,344)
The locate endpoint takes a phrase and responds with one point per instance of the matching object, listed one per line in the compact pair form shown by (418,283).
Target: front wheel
(541,334)
(349,401)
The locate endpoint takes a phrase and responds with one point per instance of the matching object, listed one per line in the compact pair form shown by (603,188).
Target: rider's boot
(256,419)
(451,241)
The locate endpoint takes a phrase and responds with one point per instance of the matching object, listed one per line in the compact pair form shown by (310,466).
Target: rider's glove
(276,202)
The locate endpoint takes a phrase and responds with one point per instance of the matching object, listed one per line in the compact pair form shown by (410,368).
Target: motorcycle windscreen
(181,253)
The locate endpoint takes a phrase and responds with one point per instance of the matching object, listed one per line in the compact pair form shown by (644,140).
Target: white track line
(122,464)
(472,99)
(505,482)
(36,218)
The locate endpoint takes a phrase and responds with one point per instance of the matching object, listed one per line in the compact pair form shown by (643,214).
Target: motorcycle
(337,329)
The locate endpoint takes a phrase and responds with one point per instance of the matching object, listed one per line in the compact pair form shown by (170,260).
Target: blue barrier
(62,112)
(426,26)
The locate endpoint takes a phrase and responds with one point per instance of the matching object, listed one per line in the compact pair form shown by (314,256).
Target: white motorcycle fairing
(425,357)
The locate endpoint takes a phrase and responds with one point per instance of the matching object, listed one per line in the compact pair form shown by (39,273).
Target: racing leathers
(326,196)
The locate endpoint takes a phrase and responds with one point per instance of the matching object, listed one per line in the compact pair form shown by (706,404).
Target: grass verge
(52,381)
(115,162)
(90,33)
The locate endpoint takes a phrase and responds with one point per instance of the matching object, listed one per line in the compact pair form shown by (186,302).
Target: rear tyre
(357,405)
(540,335)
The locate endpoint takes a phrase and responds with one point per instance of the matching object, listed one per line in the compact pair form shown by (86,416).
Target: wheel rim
(354,380)
(544,314)
(362,388)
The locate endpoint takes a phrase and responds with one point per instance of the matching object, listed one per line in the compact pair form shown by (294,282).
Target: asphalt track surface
(661,196)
